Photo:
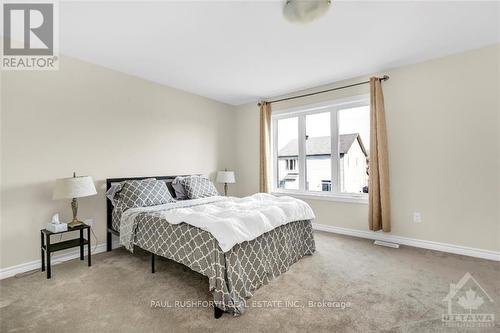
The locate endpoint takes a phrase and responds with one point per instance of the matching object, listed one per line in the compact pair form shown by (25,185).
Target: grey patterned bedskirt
(234,275)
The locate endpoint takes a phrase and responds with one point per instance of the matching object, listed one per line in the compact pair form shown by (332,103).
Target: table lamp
(72,188)
(226,177)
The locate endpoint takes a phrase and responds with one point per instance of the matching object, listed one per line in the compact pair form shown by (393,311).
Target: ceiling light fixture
(305,11)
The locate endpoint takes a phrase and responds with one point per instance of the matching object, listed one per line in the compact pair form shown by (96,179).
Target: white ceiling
(238,52)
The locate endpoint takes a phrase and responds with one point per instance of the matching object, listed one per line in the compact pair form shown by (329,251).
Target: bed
(234,271)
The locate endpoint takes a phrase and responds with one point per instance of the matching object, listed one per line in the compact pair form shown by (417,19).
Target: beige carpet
(388,290)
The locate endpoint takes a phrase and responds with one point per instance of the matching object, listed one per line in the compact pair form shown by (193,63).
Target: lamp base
(74,223)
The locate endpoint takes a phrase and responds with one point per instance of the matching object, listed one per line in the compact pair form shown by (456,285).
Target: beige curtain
(265,145)
(378,188)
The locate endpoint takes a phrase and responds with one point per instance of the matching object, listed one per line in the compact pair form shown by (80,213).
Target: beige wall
(96,122)
(444,136)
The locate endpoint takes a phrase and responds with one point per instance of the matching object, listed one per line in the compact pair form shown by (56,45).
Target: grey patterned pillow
(138,193)
(198,187)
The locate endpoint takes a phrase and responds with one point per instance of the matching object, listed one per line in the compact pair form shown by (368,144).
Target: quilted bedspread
(230,220)
(233,274)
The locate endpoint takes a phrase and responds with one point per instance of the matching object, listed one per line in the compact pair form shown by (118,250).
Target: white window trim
(301,112)
(361,198)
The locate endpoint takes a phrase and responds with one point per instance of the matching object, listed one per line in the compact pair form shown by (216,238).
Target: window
(288,143)
(317,152)
(291,165)
(351,121)
(322,149)
(326,185)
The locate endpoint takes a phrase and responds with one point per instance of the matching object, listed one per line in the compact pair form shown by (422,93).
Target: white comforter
(230,220)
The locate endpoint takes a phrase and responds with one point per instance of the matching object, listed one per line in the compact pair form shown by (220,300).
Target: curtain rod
(384,78)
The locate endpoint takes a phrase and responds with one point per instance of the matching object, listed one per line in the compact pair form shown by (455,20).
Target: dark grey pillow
(198,187)
(138,193)
(180,192)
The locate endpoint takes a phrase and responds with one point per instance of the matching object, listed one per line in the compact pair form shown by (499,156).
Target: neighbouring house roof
(321,145)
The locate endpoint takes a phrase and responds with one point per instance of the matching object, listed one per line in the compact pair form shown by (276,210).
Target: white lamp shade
(226,177)
(74,187)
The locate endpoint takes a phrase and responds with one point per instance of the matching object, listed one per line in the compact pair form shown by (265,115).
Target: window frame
(332,106)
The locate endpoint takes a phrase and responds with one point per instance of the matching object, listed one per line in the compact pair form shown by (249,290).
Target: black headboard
(109,206)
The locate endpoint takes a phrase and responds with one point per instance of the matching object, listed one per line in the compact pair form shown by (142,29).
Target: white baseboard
(430,245)
(55,259)
(443,247)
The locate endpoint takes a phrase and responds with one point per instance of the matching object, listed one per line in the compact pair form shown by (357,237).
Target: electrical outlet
(417,217)
(89,222)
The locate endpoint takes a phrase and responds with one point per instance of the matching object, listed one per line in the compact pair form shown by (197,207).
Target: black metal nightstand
(47,248)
